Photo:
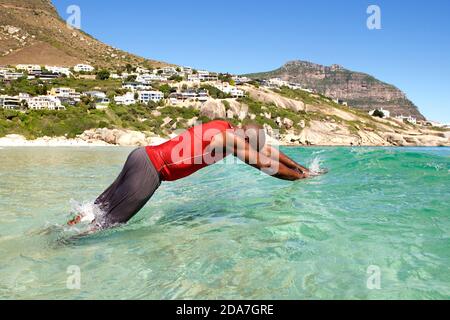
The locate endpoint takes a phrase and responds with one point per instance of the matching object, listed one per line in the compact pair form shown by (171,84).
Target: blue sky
(411,51)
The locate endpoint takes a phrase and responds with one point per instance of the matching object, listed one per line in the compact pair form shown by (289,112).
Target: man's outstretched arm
(244,151)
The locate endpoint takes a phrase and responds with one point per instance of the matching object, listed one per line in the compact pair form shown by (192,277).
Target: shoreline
(18,141)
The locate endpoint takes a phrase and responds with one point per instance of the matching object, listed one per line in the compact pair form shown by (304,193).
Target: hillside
(294,117)
(31,31)
(358,89)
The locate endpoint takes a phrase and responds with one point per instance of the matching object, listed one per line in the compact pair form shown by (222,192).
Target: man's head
(253,134)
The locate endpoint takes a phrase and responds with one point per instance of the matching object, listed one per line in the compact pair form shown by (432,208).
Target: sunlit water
(230,232)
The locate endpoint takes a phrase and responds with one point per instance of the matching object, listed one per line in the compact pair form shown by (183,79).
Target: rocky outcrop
(358,89)
(213,109)
(269,97)
(120,137)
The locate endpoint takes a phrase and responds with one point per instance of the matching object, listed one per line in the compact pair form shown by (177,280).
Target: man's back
(188,152)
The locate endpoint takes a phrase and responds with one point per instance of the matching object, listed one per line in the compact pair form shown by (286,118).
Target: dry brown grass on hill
(31,31)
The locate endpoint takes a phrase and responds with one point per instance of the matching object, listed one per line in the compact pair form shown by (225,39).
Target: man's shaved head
(255,135)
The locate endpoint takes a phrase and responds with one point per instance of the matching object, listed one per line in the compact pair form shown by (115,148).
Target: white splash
(88,210)
(315,165)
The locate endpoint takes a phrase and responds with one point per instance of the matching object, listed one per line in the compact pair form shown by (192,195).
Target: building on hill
(149,77)
(344,103)
(58,70)
(135,86)
(126,100)
(30,68)
(45,103)
(240,80)
(101,101)
(142,70)
(203,95)
(44,76)
(11,75)
(225,87)
(187,70)
(10,103)
(409,119)
(83,68)
(147,96)
(169,71)
(68,94)
(95,94)
(277,82)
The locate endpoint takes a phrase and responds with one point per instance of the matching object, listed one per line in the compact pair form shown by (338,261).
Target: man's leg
(275,154)
(129,192)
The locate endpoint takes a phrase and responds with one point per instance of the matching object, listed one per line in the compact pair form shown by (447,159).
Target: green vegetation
(215,93)
(176,78)
(164,88)
(103,75)
(75,120)
(22,85)
(298,94)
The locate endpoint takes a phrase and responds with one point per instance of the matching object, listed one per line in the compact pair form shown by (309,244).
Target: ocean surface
(377,226)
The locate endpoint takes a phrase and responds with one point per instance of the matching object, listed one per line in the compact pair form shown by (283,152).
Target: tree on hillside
(131,78)
(166,89)
(378,113)
(129,68)
(176,78)
(103,75)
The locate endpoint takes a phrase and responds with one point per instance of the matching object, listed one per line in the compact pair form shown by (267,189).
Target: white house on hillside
(225,87)
(409,119)
(67,93)
(30,68)
(83,68)
(147,96)
(59,70)
(126,100)
(134,86)
(11,103)
(45,102)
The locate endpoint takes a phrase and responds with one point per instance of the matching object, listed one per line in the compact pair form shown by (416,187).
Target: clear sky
(411,51)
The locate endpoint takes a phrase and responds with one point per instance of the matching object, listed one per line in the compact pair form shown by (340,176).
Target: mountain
(360,90)
(31,31)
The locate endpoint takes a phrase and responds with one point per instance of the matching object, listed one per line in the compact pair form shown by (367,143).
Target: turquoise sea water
(230,232)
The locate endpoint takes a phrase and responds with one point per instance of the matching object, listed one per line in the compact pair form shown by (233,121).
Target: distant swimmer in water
(198,147)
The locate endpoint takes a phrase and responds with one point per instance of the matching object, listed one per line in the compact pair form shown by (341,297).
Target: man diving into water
(182,156)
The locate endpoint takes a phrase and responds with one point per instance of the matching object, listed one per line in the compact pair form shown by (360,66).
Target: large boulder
(239,110)
(213,109)
(132,138)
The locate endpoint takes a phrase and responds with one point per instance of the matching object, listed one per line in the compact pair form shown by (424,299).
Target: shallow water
(231,232)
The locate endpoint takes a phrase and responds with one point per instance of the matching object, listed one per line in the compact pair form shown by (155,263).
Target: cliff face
(358,89)
(31,31)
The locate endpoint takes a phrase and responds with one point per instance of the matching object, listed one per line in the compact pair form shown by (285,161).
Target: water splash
(89,212)
(315,165)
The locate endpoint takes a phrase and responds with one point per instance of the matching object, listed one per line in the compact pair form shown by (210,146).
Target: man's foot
(74,221)
(89,218)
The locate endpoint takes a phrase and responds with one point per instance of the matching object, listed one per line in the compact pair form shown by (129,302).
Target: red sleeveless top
(187,153)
